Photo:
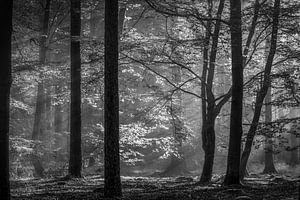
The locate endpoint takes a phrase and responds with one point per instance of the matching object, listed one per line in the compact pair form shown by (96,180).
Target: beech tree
(112,185)
(75,126)
(233,159)
(5,83)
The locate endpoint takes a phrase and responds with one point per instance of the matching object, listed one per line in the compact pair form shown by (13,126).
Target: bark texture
(75,161)
(233,159)
(112,181)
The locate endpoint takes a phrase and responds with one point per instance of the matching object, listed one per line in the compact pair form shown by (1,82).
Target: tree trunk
(233,160)
(75,161)
(293,159)
(48,106)
(208,145)
(209,112)
(39,116)
(203,84)
(5,83)
(112,181)
(263,91)
(58,112)
(269,162)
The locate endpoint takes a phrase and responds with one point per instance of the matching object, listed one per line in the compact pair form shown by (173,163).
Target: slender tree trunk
(208,126)
(58,112)
(39,111)
(112,181)
(269,161)
(208,145)
(263,91)
(48,106)
(39,116)
(75,161)
(203,88)
(233,160)
(38,130)
(5,83)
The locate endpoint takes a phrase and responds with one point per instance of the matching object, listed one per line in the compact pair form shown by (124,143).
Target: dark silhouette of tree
(5,82)
(263,90)
(269,161)
(112,186)
(40,99)
(75,109)
(211,102)
(209,108)
(233,159)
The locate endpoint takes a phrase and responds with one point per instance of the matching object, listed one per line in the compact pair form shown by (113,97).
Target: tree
(40,99)
(209,108)
(75,109)
(263,90)
(5,83)
(112,186)
(233,160)
(269,161)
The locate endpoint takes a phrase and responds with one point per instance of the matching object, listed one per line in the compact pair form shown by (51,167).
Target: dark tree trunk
(75,161)
(263,91)
(209,111)
(233,160)
(208,145)
(38,130)
(203,83)
(39,111)
(39,116)
(269,161)
(5,83)
(112,183)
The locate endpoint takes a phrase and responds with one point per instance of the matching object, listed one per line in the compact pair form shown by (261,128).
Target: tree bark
(269,161)
(233,160)
(112,181)
(75,161)
(263,91)
(5,83)
(203,87)
(39,116)
(209,107)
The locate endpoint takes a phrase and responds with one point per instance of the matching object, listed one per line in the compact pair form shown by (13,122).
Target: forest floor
(256,187)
